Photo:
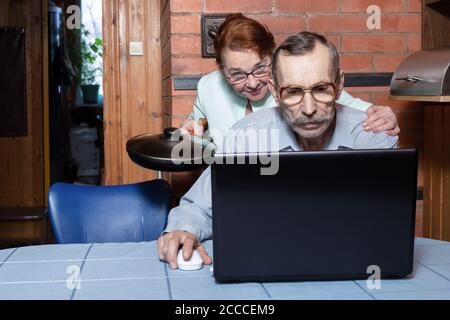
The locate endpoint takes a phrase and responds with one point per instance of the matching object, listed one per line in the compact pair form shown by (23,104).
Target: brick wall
(342,21)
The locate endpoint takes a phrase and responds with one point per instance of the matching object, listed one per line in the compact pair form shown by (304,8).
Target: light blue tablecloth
(133,271)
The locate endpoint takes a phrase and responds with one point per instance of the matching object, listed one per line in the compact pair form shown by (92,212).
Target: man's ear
(340,84)
(273,90)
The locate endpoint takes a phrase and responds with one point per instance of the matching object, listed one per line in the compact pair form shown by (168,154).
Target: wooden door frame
(46,99)
(130,107)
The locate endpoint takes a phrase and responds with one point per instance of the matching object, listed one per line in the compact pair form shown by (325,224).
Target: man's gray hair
(302,43)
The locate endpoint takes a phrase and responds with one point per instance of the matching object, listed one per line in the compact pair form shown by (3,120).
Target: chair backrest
(98,214)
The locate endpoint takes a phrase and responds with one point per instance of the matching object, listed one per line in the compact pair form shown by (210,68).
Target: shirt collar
(341,137)
(288,141)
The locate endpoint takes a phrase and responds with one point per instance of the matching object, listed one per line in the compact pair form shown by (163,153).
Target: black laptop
(328,215)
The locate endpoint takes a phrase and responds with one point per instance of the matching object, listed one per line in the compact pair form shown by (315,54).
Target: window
(91,12)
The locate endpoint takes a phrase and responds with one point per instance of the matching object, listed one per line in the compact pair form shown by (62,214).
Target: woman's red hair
(241,33)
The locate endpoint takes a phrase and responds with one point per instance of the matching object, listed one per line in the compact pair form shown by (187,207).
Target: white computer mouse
(195,263)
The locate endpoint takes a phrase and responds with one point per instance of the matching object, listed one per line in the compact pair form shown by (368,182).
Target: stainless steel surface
(423,73)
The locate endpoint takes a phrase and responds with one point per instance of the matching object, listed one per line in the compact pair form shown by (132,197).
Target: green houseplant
(90,68)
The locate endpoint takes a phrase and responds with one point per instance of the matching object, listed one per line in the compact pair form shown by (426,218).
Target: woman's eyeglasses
(241,77)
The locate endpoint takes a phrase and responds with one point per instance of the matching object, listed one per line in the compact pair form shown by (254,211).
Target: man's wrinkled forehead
(304,70)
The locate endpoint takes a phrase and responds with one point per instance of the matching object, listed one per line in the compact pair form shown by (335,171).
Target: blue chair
(98,214)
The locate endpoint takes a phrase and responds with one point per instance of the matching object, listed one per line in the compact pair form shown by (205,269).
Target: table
(133,271)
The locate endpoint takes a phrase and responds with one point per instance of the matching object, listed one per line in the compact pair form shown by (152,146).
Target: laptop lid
(325,215)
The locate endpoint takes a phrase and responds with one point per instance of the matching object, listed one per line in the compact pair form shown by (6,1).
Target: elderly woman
(244,50)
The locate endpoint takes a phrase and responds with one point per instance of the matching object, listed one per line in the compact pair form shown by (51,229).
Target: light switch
(136,48)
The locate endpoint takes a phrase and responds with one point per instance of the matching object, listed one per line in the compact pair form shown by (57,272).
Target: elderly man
(306,83)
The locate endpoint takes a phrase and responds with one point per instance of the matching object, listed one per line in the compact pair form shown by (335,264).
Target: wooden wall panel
(20,233)
(132,84)
(436,207)
(437,172)
(21,159)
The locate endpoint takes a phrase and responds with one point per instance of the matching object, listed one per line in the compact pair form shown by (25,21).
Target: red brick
(401,23)
(176,121)
(362,5)
(414,5)
(373,43)
(358,23)
(192,66)
(186,5)
(290,6)
(388,62)
(182,105)
(185,24)
(414,42)
(337,23)
(228,6)
(336,40)
(279,38)
(186,45)
(282,24)
(184,93)
(356,63)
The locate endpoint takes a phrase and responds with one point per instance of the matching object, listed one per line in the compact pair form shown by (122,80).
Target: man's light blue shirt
(223,107)
(194,214)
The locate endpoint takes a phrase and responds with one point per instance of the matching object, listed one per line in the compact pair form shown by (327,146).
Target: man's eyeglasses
(323,92)
(241,77)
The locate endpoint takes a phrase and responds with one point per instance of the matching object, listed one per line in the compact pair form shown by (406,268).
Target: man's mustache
(303,120)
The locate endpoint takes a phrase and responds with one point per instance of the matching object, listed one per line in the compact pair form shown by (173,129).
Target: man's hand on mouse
(169,244)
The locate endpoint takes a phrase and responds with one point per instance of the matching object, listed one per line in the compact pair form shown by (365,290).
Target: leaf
(98,42)
(91,52)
